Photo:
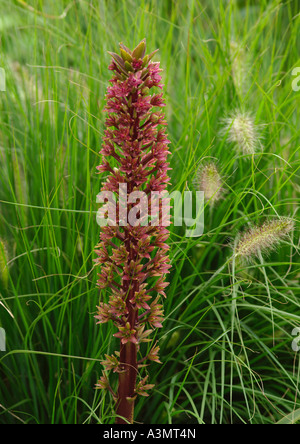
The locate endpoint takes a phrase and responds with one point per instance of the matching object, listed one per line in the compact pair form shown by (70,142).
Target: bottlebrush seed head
(241,130)
(133,260)
(209,180)
(264,238)
(239,59)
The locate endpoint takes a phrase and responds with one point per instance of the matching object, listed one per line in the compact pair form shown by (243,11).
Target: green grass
(226,344)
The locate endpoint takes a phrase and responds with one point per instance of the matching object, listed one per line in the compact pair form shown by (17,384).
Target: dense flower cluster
(133,259)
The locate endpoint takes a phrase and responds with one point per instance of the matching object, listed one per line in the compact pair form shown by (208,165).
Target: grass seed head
(239,66)
(210,181)
(241,130)
(264,238)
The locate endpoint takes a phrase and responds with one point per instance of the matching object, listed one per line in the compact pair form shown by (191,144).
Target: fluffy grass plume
(263,239)
(239,66)
(209,180)
(241,130)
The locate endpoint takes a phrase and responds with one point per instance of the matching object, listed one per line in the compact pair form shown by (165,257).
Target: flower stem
(127,382)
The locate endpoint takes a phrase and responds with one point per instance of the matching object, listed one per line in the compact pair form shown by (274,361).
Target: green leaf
(128,66)
(148,57)
(125,56)
(119,61)
(152,54)
(139,51)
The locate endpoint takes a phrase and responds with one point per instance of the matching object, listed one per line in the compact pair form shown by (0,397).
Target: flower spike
(132,256)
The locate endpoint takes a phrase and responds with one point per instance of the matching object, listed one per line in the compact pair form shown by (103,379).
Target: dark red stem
(128,351)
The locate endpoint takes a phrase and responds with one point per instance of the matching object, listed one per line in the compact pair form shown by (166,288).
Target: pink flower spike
(132,254)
